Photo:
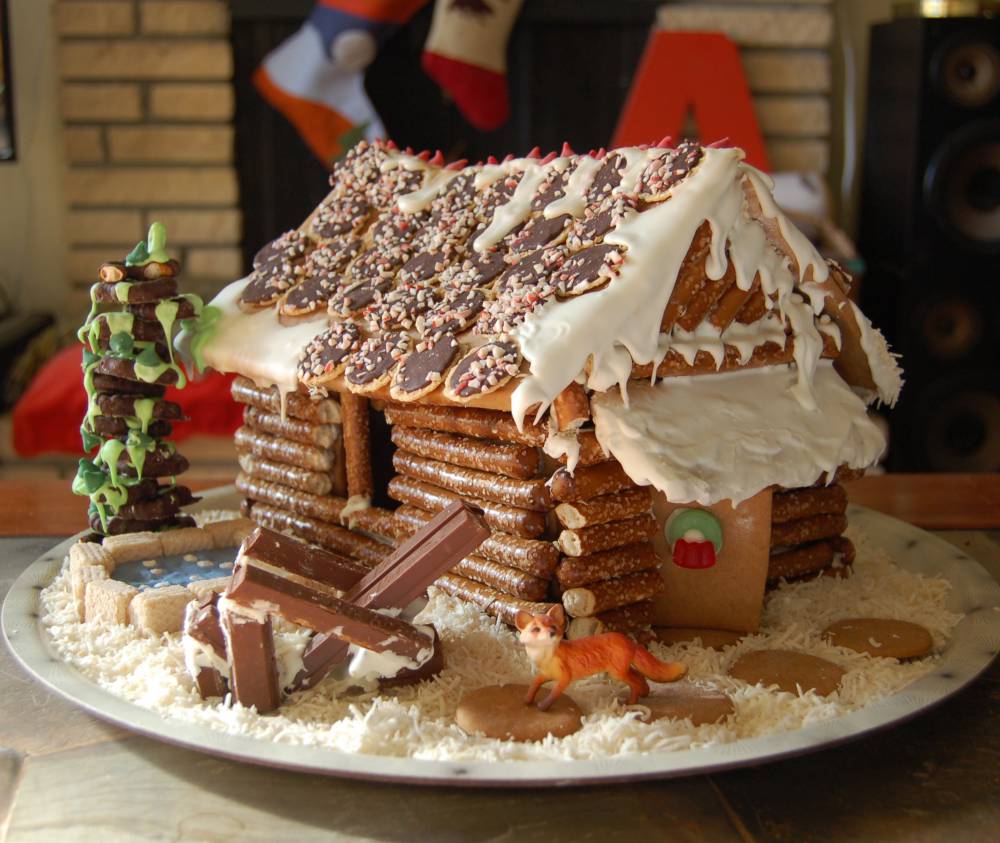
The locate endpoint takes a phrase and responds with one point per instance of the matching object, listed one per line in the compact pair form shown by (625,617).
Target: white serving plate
(973,646)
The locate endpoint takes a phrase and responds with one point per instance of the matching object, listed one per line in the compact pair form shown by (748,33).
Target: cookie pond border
(973,647)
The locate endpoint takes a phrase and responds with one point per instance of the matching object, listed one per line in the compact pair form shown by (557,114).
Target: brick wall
(785,48)
(147,108)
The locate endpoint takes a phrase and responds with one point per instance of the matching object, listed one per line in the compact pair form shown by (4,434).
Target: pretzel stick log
(615,507)
(581,570)
(729,304)
(588,540)
(528,494)
(754,308)
(490,600)
(330,536)
(519,461)
(308,433)
(705,298)
(324,411)
(610,594)
(538,558)
(588,482)
(803,530)
(482,424)
(805,559)
(298,479)
(250,441)
(571,407)
(357,445)
(507,519)
(794,504)
(321,507)
(374,520)
(591,451)
(508,580)
(628,618)
(690,277)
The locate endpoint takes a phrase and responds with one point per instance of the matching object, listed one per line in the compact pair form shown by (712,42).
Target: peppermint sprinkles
(424,368)
(588,269)
(290,247)
(372,364)
(456,312)
(484,369)
(400,308)
(598,220)
(325,356)
(341,216)
(270,283)
(662,173)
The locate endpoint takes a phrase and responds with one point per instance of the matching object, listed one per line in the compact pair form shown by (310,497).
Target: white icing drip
(489,174)
(816,295)
(827,326)
(507,217)
(257,344)
(419,200)
(745,338)
(288,650)
(354,505)
(625,315)
(808,346)
(565,444)
(635,162)
(885,370)
(574,200)
(707,438)
(705,337)
(367,665)
(256,612)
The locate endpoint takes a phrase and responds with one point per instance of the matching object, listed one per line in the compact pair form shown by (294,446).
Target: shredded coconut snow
(418,721)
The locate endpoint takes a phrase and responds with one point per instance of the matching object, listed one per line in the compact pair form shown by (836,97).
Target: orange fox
(566,661)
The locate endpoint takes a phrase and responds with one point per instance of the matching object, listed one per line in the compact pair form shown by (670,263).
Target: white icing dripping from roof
(707,438)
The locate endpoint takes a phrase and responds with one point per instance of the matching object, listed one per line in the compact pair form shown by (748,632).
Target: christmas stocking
(316,77)
(466,52)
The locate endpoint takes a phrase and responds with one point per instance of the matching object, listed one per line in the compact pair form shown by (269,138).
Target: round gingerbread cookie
(790,671)
(685,700)
(713,639)
(499,711)
(881,637)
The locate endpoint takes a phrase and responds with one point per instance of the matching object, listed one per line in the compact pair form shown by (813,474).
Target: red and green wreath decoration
(695,537)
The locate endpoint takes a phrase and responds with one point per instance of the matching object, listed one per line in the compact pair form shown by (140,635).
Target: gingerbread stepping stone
(881,637)
(686,700)
(789,670)
(499,711)
(713,639)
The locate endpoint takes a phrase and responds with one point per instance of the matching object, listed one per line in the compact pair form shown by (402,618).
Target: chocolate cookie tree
(129,360)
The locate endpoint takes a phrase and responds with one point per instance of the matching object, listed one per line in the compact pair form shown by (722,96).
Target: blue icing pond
(178,570)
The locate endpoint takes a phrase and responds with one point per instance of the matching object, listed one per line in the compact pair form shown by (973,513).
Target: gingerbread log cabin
(632,363)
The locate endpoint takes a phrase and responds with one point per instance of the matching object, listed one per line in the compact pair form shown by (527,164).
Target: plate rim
(28,642)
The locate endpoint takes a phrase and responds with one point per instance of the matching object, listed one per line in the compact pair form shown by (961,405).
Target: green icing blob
(121,344)
(122,290)
(143,408)
(139,256)
(166,315)
(200,330)
(156,242)
(91,441)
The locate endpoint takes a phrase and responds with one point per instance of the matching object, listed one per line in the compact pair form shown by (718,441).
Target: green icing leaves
(121,344)
(150,250)
(91,441)
(200,330)
(89,477)
(139,256)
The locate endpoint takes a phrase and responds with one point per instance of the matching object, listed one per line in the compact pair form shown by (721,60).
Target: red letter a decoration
(697,73)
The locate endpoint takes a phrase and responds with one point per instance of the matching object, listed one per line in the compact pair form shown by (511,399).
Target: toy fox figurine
(566,661)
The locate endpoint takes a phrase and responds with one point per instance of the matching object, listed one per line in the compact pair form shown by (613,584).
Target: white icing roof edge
(706,439)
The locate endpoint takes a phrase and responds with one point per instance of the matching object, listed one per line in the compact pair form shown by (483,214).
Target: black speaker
(930,233)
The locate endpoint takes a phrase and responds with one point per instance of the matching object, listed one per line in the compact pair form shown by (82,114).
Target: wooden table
(65,776)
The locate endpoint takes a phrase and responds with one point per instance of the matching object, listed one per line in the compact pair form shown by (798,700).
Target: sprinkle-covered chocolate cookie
(598,220)
(378,264)
(446,228)
(326,355)
(397,229)
(425,265)
(312,295)
(454,313)
(538,233)
(400,308)
(337,217)
(290,247)
(665,171)
(357,298)
(393,182)
(553,188)
(359,170)
(496,194)
(423,369)
(372,365)
(483,370)
(607,178)
(588,269)
(531,270)
(270,283)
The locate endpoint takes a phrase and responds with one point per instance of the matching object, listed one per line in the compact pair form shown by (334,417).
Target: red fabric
(691,71)
(47,418)
(479,93)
